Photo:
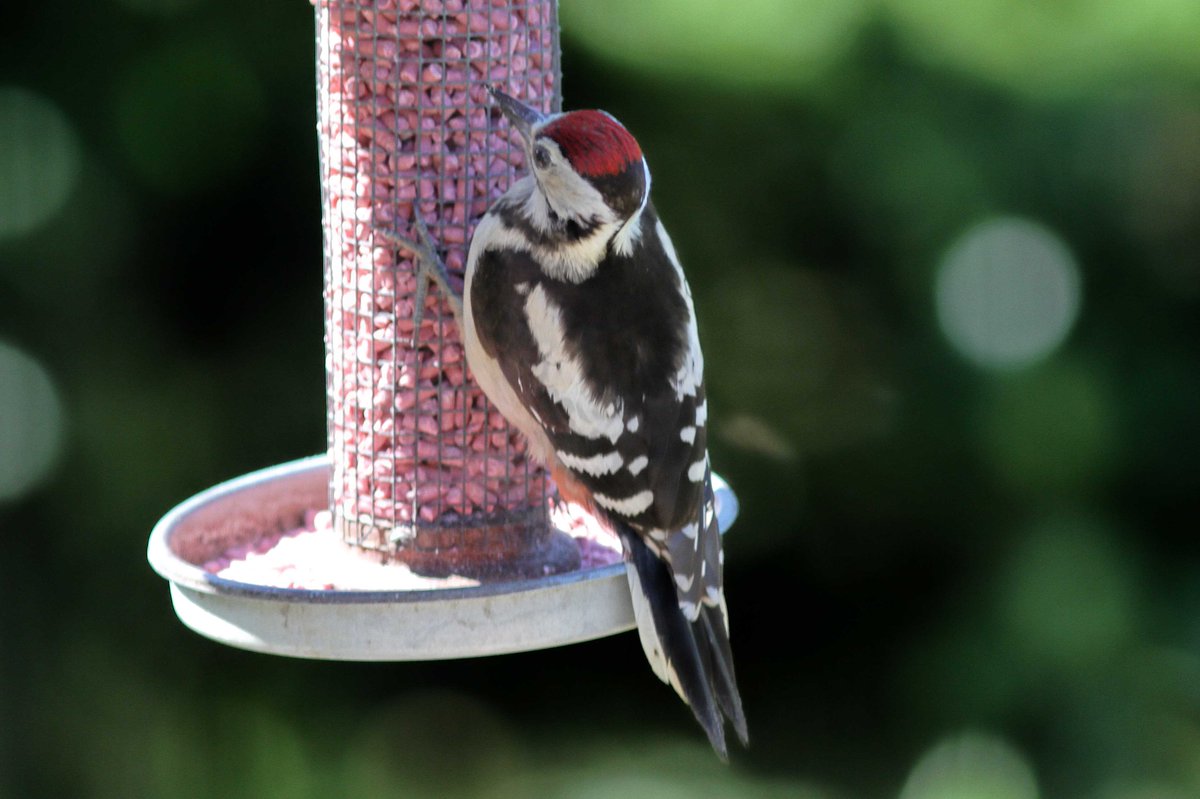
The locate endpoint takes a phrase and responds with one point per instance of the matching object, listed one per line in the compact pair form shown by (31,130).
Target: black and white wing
(609,373)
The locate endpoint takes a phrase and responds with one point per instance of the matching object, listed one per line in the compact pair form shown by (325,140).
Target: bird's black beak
(521,116)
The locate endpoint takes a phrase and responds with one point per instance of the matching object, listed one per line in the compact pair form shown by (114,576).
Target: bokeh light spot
(1007,293)
(31,423)
(973,765)
(39,160)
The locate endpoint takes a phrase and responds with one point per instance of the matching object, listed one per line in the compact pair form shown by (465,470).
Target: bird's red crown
(594,143)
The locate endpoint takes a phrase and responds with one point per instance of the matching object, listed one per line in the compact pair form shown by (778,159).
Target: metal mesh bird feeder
(419,466)
(423,468)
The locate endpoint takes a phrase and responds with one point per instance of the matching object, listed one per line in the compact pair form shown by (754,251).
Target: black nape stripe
(562,233)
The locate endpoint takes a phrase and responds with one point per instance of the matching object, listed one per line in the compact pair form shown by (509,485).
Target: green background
(946,259)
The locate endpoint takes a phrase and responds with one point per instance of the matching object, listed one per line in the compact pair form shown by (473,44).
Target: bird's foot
(429,266)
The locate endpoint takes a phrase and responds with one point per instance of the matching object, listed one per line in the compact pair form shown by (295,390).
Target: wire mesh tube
(423,467)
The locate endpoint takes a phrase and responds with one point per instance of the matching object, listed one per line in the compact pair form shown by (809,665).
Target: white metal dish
(488,619)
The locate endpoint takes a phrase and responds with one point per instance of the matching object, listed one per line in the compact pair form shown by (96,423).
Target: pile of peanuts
(406,126)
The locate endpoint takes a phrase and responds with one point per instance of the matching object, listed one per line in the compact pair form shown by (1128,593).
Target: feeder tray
(422,624)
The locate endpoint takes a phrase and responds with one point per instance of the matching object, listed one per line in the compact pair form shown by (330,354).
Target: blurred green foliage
(953,576)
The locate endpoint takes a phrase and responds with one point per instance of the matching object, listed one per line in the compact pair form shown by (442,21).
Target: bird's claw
(429,266)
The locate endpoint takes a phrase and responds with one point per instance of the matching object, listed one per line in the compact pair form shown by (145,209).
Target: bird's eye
(541,156)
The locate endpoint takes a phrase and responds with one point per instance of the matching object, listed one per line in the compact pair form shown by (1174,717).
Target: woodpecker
(578,324)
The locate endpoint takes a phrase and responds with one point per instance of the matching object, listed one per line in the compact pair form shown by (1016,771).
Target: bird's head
(586,165)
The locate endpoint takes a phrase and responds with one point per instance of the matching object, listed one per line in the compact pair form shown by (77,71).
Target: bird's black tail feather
(712,619)
(692,656)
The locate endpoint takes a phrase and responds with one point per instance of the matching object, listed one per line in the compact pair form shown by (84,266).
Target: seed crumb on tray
(314,557)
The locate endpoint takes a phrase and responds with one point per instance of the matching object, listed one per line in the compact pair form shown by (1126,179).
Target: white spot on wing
(696,471)
(684,581)
(626,506)
(637,464)
(633,424)
(688,434)
(701,413)
(605,463)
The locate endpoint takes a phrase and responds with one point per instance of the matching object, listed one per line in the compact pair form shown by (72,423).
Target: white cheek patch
(573,262)
(572,196)
(562,193)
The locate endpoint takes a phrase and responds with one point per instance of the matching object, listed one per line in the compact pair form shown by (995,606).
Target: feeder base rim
(435,624)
